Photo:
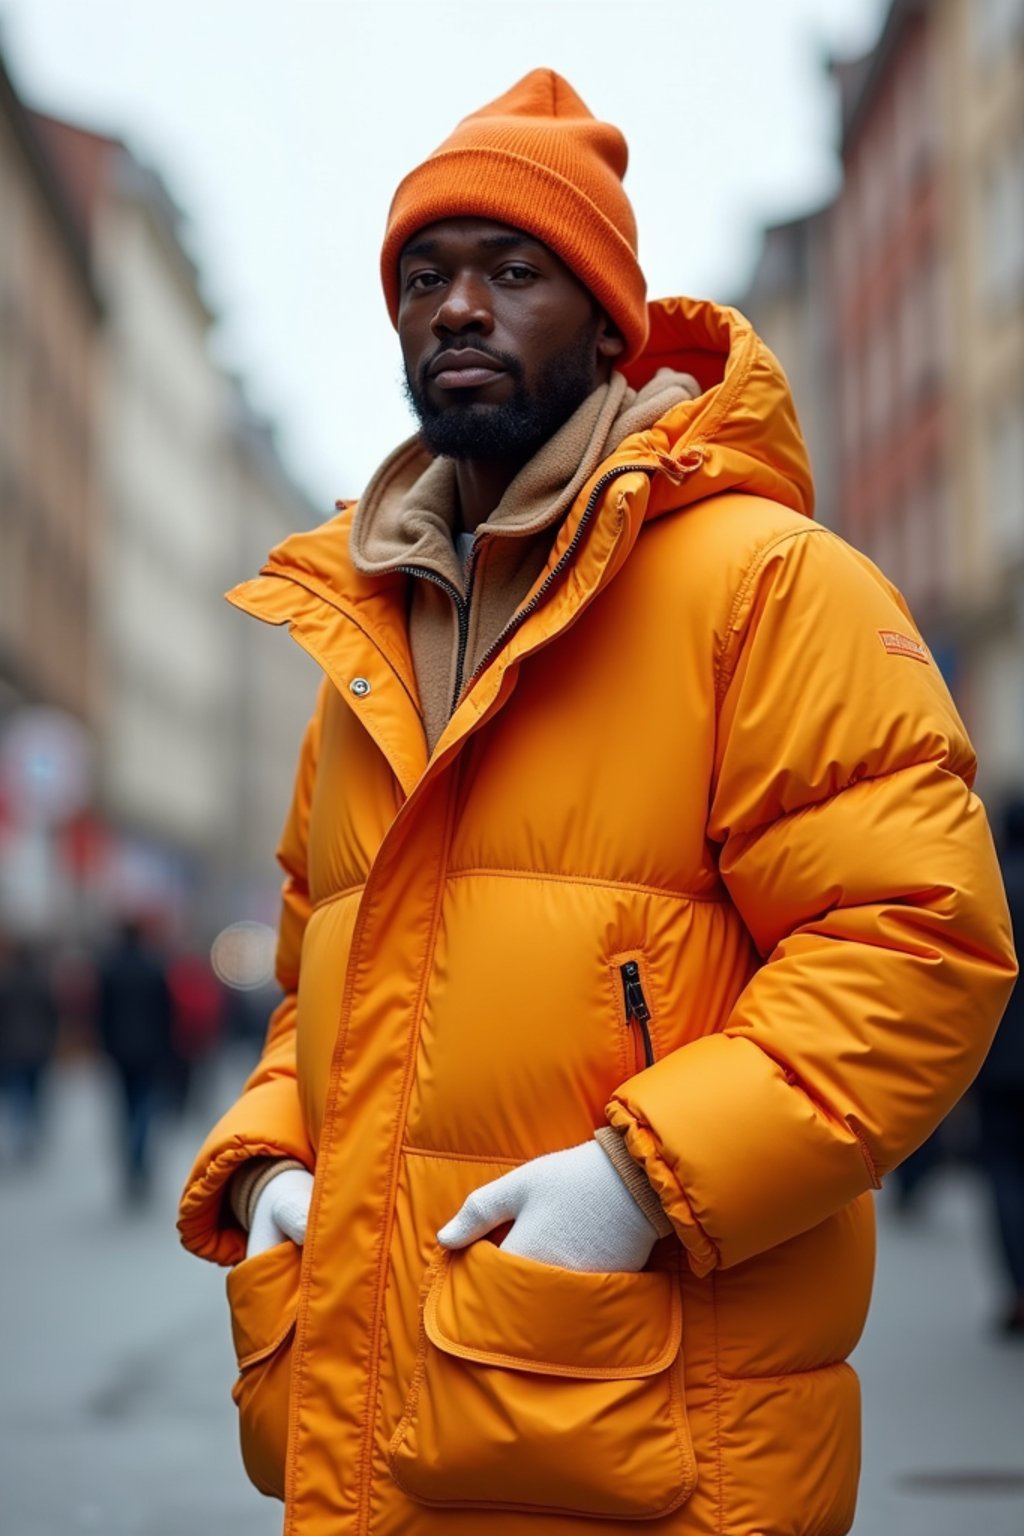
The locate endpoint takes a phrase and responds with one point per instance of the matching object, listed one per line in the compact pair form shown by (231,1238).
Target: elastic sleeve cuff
(613,1145)
(251,1180)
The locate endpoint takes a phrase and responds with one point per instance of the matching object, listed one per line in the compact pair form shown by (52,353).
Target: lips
(464,369)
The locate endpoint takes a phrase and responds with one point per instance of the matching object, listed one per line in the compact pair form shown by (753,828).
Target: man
(638,914)
(29,1029)
(133,1023)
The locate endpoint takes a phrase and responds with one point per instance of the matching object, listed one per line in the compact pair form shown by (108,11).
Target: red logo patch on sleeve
(903,645)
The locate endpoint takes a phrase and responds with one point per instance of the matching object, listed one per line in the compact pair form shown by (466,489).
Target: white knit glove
(281,1211)
(569,1208)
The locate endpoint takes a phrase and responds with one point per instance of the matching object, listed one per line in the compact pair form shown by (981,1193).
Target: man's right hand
(281,1211)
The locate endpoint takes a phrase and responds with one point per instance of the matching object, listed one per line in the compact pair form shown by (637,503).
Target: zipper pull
(636,1006)
(636,1002)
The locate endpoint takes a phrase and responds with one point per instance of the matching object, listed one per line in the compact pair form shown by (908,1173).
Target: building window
(945,541)
(998,25)
(919,113)
(917,581)
(884,540)
(851,406)
(931,114)
(942,319)
(1005,479)
(1002,223)
(875,196)
(880,394)
(909,342)
(923,328)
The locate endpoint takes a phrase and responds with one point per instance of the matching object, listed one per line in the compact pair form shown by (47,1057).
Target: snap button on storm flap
(360,686)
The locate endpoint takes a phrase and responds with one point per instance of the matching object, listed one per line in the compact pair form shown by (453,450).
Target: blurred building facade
(165,759)
(51,340)
(788,300)
(891,285)
(901,307)
(275,681)
(985,64)
(176,495)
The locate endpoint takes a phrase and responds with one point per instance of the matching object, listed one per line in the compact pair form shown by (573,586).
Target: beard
(512,429)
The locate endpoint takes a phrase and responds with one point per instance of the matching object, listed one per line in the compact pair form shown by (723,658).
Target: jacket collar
(406,516)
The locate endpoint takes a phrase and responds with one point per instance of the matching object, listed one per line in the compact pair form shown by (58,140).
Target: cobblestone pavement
(116,1361)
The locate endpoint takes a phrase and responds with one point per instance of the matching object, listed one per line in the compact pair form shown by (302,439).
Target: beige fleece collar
(408,512)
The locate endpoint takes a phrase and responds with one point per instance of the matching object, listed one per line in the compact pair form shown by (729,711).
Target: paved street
(115,1363)
(943,1401)
(114,1408)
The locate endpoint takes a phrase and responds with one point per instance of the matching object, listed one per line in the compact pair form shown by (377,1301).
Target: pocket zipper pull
(636,1006)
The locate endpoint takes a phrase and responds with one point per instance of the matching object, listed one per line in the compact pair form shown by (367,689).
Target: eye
(422,282)
(517,272)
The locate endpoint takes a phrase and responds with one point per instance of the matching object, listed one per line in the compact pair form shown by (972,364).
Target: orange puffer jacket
(711,747)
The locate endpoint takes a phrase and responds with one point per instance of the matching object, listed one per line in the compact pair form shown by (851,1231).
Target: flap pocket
(544,1389)
(263,1294)
(499,1309)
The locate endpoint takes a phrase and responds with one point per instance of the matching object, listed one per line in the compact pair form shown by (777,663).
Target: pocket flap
(496,1308)
(263,1294)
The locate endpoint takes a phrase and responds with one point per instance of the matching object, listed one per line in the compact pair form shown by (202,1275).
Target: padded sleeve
(861,862)
(266,1120)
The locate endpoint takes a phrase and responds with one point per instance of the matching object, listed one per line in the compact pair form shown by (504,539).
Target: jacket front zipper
(462,605)
(637,1011)
(556,571)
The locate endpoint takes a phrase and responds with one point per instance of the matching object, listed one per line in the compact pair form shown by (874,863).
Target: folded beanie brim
(538,161)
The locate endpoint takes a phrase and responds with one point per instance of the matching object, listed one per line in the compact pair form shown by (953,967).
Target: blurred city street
(943,1397)
(195,362)
(114,1407)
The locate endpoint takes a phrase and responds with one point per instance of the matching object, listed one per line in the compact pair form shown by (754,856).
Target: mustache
(511,364)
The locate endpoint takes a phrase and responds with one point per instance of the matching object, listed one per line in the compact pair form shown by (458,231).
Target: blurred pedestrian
(1000,1097)
(638,913)
(134,1027)
(917,1171)
(28,1037)
(197,1024)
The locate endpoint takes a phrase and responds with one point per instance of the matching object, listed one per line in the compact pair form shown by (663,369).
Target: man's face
(501,342)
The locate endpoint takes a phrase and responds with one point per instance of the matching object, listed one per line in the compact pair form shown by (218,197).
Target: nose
(465,306)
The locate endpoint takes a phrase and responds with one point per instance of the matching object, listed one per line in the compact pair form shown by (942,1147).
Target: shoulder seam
(723,673)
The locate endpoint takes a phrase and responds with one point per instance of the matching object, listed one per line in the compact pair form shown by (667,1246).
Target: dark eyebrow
(503,241)
(419,248)
(507,242)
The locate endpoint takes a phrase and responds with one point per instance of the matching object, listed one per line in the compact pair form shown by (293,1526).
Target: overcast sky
(282,127)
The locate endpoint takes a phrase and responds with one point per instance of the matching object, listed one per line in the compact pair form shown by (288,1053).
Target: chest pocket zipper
(638,1014)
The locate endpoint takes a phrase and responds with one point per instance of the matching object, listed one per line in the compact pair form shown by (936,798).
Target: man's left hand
(569,1209)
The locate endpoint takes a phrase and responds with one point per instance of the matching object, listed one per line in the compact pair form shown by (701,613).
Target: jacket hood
(741,434)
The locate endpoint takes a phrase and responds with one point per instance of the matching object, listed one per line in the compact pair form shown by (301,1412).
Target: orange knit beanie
(539,160)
